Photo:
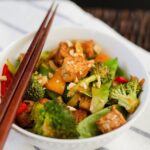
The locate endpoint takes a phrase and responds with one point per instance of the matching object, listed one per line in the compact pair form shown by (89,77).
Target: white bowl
(115,48)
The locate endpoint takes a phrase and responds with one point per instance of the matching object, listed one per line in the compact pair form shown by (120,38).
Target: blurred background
(131,18)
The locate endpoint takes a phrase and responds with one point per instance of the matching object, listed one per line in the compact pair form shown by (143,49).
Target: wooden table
(133,24)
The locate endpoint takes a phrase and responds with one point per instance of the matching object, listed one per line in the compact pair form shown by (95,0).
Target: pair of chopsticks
(15,92)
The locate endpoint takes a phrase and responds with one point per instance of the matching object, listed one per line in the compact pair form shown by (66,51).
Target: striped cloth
(20,17)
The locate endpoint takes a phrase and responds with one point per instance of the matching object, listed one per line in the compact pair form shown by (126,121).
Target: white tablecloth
(20,17)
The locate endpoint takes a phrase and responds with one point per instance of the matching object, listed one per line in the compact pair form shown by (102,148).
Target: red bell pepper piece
(22,108)
(121,79)
(5,84)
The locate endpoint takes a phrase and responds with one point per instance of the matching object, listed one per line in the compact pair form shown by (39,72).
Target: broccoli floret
(55,120)
(83,84)
(100,92)
(34,90)
(38,115)
(127,94)
(102,73)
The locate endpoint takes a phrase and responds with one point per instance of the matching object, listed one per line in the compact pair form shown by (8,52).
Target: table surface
(132,24)
(118,4)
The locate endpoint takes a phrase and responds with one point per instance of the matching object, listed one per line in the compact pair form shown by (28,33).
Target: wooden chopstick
(9,94)
(23,82)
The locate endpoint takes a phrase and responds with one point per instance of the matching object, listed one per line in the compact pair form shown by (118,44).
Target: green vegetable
(86,91)
(65,94)
(38,115)
(59,100)
(34,90)
(45,55)
(127,94)
(100,97)
(121,72)
(44,69)
(80,84)
(43,64)
(74,100)
(11,67)
(50,94)
(100,94)
(56,121)
(102,72)
(87,127)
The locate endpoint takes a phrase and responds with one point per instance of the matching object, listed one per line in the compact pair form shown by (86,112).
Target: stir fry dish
(76,91)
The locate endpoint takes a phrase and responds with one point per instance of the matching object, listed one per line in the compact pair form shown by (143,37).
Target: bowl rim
(85,140)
